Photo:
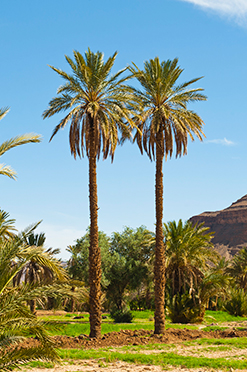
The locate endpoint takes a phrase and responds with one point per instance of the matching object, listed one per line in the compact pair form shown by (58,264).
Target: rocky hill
(229,226)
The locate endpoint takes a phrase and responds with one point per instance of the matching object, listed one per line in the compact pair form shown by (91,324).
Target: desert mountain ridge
(229,226)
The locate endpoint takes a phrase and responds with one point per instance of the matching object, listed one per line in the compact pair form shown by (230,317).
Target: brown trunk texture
(32,305)
(94,250)
(159,266)
(73,301)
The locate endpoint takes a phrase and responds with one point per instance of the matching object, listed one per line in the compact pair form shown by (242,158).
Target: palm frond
(3,112)
(19,140)
(6,170)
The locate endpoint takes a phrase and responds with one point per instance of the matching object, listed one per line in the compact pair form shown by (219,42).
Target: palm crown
(94,99)
(163,107)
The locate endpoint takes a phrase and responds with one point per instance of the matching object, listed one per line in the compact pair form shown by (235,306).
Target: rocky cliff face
(229,226)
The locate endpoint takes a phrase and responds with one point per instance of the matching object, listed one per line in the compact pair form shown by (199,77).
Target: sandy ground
(93,366)
(119,366)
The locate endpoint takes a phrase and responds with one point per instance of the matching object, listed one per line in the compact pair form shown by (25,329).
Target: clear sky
(210,39)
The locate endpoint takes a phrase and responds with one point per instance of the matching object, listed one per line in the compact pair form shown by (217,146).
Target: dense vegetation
(197,278)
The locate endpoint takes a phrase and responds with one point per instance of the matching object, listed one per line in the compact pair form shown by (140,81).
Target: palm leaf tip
(5,170)
(3,112)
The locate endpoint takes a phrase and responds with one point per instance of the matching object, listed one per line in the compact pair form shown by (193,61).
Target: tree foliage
(16,320)
(189,252)
(193,272)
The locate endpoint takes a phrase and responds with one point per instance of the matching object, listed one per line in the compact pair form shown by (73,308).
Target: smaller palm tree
(16,320)
(192,271)
(42,268)
(14,142)
(238,269)
(189,251)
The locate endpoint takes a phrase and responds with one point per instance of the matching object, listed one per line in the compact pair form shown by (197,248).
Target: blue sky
(208,36)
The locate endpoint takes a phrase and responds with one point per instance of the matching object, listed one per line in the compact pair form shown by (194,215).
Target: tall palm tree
(14,142)
(164,119)
(98,106)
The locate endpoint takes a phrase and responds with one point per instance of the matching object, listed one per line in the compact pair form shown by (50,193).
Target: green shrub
(122,316)
(184,309)
(237,304)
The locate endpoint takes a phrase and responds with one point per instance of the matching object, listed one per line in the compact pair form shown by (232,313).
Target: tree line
(197,277)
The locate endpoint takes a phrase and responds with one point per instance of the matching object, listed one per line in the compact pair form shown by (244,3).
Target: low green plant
(184,309)
(122,316)
(237,304)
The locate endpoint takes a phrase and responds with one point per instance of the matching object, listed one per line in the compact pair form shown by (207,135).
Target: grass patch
(135,348)
(162,359)
(39,364)
(181,326)
(74,330)
(143,315)
(214,328)
(239,343)
(222,317)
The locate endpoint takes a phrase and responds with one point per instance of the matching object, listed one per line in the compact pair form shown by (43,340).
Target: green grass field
(68,326)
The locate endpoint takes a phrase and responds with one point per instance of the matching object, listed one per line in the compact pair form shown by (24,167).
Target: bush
(122,316)
(237,304)
(184,309)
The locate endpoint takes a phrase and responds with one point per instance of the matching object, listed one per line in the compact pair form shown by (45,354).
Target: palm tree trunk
(159,266)
(73,301)
(32,305)
(94,250)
